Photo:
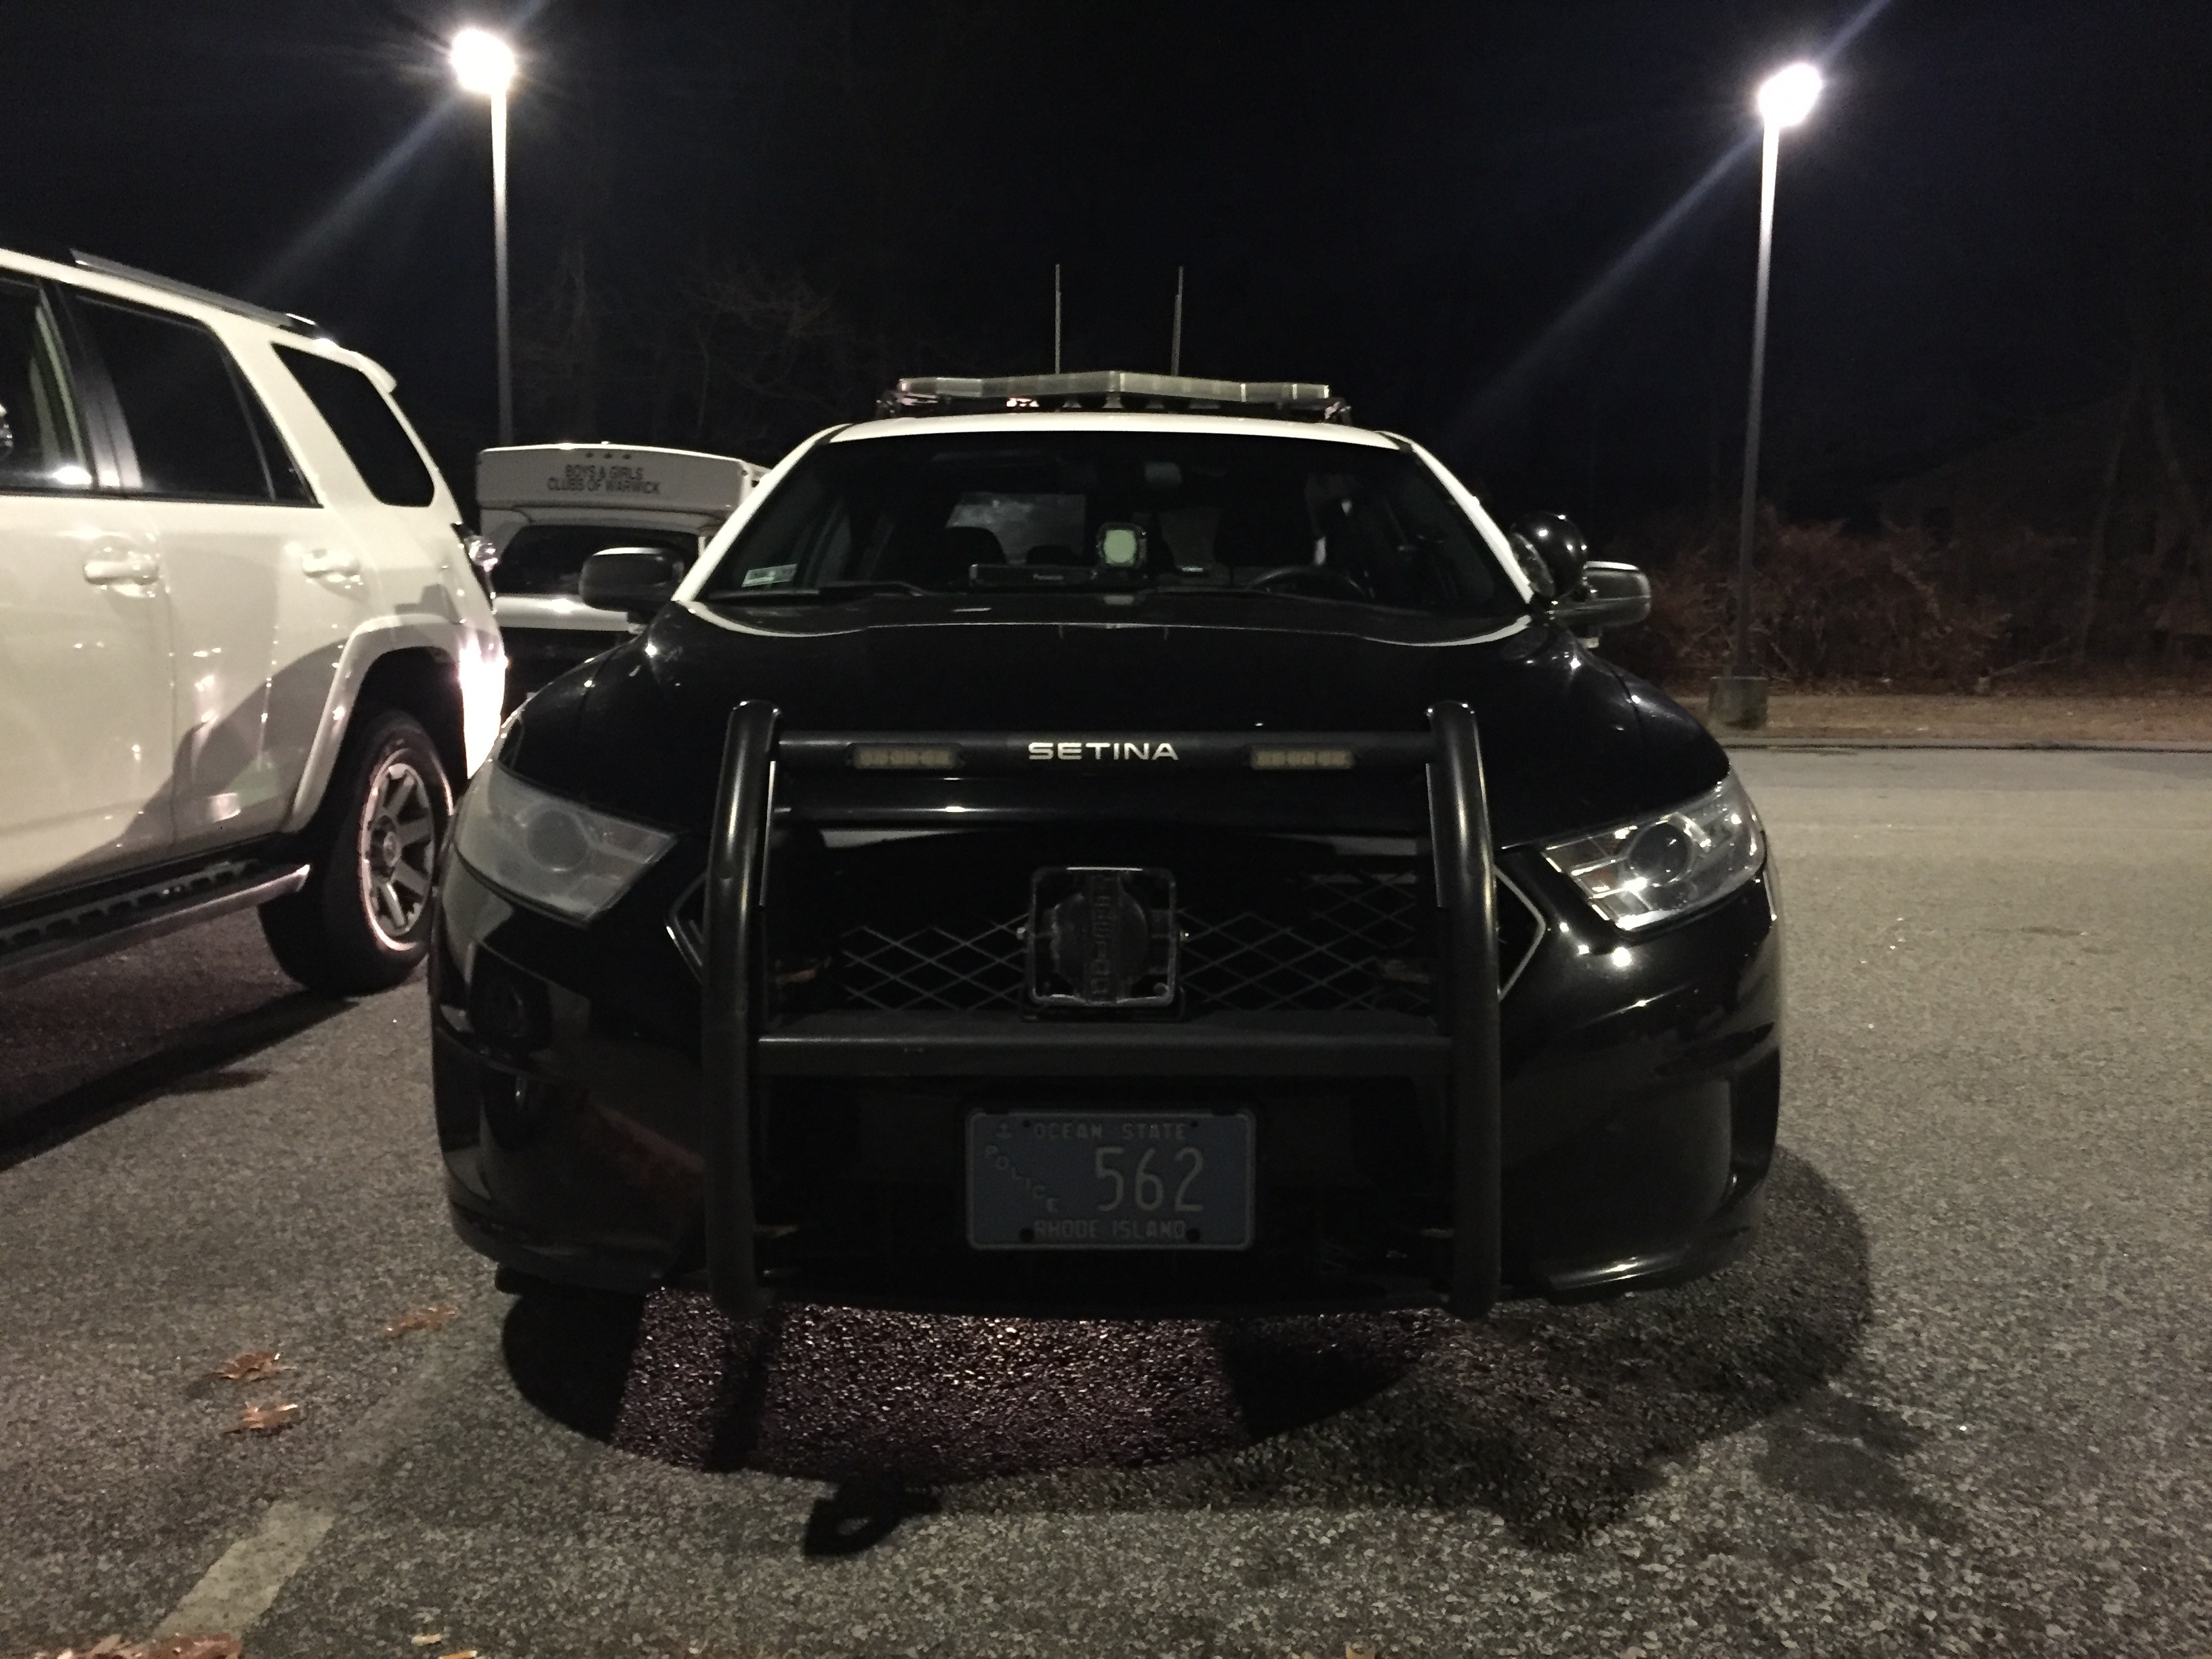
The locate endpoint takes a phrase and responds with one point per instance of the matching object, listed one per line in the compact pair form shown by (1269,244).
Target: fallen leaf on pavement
(463,1653)
(436,1317)
(429,1638)
(262,1419)
(251,1366)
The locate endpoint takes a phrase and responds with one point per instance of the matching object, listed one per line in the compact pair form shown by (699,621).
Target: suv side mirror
(1608,595)
(1560,548)
(635,581)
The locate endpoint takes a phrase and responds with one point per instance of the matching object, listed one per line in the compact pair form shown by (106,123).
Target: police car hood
(1568,741)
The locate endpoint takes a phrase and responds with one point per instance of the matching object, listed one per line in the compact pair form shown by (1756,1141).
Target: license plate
(1109,1181)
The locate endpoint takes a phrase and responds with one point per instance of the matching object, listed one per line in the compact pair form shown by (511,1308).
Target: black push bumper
(1459,1046)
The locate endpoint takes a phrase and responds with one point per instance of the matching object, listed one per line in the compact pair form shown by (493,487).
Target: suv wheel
(362,921)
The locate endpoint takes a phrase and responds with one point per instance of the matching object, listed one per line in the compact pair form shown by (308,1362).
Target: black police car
(1113,843)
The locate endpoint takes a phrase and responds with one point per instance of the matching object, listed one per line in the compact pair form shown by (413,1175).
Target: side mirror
(635,581)
(1608,596)
(1558,545)
(483,554)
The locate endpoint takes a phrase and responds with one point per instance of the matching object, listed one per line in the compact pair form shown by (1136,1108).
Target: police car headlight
(549,852)
(1653,869)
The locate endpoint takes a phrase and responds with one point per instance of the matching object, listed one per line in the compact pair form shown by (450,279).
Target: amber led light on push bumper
(905,756)
(1307,757)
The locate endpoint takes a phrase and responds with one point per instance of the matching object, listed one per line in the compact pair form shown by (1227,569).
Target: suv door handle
(325,563)
(133,570)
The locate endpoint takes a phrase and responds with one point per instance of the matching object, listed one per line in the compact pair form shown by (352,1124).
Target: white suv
(244,657)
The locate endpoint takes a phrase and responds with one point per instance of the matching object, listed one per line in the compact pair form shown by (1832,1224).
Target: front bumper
(1635,1092)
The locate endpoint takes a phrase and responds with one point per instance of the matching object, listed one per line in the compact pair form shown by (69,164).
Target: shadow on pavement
(199,1060)
(1552,1417)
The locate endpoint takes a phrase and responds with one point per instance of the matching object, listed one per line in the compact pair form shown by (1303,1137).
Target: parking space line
(246,1579)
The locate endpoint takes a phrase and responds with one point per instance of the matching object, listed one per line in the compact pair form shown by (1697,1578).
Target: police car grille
(967,969)
(1344,938)
(1319,942)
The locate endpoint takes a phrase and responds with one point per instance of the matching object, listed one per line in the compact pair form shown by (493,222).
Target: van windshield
(1196,512)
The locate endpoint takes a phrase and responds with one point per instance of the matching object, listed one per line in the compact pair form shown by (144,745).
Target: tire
(363,923)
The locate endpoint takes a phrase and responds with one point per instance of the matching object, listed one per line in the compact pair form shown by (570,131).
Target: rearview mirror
(635,581)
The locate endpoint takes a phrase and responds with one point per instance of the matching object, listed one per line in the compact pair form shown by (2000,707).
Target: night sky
(1426,205)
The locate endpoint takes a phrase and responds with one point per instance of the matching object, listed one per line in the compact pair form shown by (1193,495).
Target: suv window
(382,452)
(549,558)
(39,445)
(182,404)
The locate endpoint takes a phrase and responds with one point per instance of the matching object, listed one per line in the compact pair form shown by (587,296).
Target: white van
(547,507)
(245,658)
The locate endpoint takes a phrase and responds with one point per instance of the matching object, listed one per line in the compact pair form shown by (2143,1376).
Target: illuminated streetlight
(1785,98)
(484,65)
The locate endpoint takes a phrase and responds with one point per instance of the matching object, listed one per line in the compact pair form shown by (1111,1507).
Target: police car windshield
(974,511)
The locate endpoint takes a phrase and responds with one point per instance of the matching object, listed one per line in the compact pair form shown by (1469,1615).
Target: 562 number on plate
(1146,1187)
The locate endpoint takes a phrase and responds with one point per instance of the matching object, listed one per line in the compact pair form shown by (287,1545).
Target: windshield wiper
(825,591)
(1214,589)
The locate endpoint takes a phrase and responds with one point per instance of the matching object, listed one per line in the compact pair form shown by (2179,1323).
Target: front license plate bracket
(1103,937)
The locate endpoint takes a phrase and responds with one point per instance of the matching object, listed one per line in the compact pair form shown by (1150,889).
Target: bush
(1829,605)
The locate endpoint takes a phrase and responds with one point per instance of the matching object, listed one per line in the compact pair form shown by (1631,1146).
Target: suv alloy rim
(399,836)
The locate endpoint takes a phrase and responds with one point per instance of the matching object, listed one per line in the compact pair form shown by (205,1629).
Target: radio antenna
(1175,340)
(1055,319)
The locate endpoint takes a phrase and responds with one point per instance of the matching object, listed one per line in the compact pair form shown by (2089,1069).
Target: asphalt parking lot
(1958,1401)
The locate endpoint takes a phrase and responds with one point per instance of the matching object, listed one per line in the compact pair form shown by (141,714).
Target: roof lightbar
(1113,388)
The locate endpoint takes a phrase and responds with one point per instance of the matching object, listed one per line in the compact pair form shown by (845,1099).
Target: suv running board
(77,931)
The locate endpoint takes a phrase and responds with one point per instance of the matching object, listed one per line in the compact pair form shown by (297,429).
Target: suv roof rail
(290,322)
(1113,388)
(17,239)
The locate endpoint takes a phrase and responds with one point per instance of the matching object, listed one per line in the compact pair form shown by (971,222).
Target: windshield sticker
(769,575)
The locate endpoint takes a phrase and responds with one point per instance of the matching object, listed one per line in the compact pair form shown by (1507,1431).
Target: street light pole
(484,63)
(499,265)
(1785,98)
